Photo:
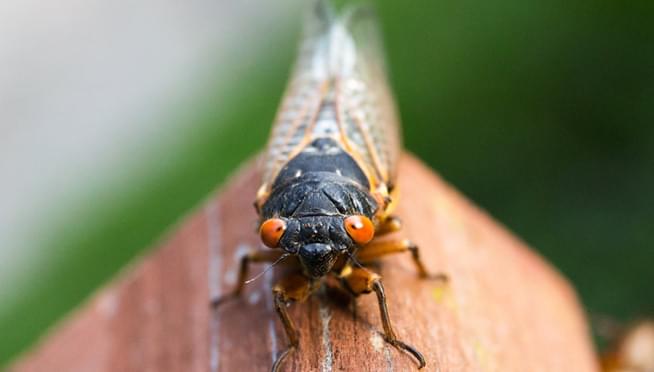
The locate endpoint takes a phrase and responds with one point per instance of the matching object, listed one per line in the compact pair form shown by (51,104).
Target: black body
(314,193)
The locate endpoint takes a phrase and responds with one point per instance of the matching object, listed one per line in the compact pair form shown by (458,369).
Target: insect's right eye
(271,231)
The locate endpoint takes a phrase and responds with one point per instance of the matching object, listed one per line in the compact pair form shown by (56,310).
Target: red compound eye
(360,229)
(271,231)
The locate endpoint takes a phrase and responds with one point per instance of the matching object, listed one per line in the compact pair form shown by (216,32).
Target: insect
(329,171)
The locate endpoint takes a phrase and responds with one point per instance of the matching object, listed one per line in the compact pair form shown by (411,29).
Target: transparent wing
(338,89)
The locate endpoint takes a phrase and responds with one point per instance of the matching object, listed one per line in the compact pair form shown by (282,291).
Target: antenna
(280,259)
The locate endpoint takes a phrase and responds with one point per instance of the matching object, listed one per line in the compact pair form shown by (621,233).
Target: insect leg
(390,225)
(376,249)
(294,287)
(254,256)
(388,327)
(360,281)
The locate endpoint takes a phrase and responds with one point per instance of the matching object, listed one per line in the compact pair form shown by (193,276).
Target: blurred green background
(541,112)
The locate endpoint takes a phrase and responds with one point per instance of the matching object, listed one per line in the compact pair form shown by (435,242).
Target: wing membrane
(338,89)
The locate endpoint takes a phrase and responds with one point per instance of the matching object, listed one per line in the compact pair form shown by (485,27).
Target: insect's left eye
(271,231)
(360,229)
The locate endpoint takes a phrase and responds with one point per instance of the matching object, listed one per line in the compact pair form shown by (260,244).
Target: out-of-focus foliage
(540,111)
(543,113)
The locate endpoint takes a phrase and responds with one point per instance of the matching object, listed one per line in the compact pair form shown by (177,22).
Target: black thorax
(322,180)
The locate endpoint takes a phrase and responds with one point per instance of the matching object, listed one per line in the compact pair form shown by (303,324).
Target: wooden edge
(504,308)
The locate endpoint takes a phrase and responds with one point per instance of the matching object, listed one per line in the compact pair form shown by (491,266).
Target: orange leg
(390,225)
(255,256)
(376,249)
(295,287)
(361,280)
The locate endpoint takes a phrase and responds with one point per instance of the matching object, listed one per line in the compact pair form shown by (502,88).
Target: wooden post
(504,308)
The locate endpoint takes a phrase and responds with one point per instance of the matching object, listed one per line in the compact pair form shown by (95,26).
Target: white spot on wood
(338,171)
(379,345)
(325,318)
(215,290)
(377,341)
(230,277)
(254,298)
(241,250)
(298,173)
(108,304)
(272,331)
(231,274)
(389,359)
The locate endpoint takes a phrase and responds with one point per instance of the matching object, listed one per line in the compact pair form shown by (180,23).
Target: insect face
(316,241)
(317,259)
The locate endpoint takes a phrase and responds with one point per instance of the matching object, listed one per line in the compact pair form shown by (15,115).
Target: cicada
(329,171)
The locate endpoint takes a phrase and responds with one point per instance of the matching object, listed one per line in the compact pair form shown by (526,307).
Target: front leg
(292,288)
(254,256)
(361,280)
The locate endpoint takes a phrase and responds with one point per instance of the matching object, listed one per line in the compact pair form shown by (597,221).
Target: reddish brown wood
(504,308)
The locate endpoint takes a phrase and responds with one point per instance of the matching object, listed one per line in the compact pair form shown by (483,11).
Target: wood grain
(504,308)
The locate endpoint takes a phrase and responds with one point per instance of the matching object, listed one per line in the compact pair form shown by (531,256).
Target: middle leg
(376,249)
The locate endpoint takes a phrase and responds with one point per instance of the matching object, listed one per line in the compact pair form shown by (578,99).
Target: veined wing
(338,89)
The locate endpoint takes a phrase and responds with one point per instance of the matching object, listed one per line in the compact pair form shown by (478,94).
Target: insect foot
(276,367)
(409,349)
